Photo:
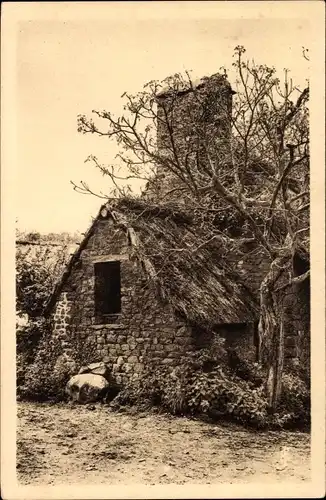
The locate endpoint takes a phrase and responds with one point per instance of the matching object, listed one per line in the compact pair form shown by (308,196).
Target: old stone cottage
(142,290)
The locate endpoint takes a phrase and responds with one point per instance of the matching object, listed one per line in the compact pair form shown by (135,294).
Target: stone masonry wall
(61,320)
(253,267)
(146,333)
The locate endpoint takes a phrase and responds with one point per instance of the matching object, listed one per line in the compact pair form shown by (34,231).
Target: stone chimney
(194,122)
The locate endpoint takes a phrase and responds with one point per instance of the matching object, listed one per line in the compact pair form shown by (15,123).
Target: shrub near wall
(42,381)
(204,385)
(46,377)
(27,339)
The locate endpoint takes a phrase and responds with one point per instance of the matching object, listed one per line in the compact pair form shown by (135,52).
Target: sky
(67,64)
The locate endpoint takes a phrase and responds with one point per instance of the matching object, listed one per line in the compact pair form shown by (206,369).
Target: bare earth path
(69,444)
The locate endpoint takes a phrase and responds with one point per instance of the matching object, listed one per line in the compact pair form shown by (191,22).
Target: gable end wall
(146,333)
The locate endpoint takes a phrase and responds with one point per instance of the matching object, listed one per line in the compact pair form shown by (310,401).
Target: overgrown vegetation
(46,375)
(204,385)
(39,262)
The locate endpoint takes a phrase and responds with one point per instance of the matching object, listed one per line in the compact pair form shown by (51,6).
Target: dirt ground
(64,444)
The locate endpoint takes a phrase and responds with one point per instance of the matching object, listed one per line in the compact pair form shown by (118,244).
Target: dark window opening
(232,330)
(241,335)
(107,289)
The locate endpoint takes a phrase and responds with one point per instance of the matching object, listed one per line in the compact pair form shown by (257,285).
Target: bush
(205,383)
(39,376)
(36,274)
(22,363)
(37,269)
(247,370)
(295,402)
(202,384)
(45,378)
(27,339)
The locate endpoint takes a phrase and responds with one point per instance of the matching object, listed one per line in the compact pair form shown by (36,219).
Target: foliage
(245,369)
(33,282)
(27,340)
(294,405)
(37,269)
(42,381)
(42,368)
(38,266)
(28,336)
(204,385)
(44,375)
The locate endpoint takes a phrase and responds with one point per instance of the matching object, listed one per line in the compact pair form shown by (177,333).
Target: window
(107,289)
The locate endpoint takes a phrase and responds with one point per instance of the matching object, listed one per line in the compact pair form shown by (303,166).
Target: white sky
(68,65)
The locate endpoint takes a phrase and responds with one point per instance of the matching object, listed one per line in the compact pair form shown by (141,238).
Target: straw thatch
(188,266)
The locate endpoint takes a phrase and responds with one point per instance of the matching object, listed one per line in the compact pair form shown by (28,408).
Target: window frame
(100,315)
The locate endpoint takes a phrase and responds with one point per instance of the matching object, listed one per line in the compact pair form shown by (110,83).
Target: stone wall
(61,320)
(145,333)
(253,267)
(297,311)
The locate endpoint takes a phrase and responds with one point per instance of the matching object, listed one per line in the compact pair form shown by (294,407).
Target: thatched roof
(187,268)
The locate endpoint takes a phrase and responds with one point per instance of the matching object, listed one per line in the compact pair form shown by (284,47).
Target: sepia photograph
(162,284)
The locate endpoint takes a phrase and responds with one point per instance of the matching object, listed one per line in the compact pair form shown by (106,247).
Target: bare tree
(247,159)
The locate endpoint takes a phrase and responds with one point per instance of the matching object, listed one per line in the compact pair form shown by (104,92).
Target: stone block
(182,332)
(120,360)
(97,327)
(167,361)
(133,359)
(121,339)
(179,341)
(174,355)
(167,332)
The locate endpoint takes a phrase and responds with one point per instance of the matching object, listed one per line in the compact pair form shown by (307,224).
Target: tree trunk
(271,333)
(275,367)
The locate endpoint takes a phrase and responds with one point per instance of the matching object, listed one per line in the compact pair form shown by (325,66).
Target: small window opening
(107,288)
